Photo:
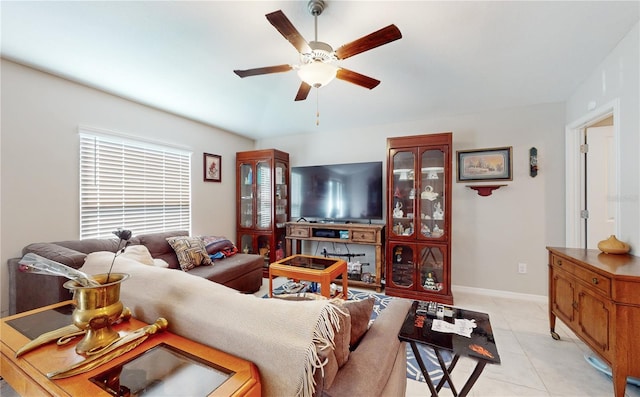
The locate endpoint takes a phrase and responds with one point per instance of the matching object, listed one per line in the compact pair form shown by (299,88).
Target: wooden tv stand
(596,296)
(343,233)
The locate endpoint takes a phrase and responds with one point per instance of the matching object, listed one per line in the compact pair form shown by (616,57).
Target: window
(139,186)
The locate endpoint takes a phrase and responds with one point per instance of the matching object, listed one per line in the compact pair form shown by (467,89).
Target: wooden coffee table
(145,366)
(310,268)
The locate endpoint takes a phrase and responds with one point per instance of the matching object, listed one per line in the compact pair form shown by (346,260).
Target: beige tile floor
(533,364)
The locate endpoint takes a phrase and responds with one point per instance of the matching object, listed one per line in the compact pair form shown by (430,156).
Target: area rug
(428,354)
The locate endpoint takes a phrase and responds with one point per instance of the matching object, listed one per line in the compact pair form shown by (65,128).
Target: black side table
(481,346)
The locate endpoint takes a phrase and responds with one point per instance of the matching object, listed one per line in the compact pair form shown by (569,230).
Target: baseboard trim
(500,294)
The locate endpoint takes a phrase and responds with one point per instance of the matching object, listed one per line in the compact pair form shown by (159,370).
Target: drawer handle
(594,280)
(559,262)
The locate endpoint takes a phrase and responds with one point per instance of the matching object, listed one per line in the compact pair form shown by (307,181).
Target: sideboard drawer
(299,231)
(596,281)
(366,236)
(563,264)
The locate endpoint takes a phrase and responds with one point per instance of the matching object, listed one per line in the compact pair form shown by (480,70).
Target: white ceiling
(454,57)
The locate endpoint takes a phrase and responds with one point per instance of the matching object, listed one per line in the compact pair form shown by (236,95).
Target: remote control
(427,308)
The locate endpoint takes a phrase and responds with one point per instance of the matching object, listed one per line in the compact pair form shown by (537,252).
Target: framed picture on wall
(480,165)
(212,168)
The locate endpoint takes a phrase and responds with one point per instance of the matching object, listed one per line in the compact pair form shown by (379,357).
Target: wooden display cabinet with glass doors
(262,189)
(418,253)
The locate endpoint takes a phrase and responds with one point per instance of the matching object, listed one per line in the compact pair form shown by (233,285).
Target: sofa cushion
(342,337)
(138,253)
(92,244)
(324,379)
(159,248)
(360,313)
(190,251)
(229,269)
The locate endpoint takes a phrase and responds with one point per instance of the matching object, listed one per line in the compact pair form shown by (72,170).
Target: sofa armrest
(370,366)
(57,253)
(29,291)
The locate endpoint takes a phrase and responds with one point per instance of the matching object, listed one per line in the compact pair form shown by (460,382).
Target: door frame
(574,166)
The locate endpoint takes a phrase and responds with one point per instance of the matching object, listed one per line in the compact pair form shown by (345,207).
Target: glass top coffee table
(310,268)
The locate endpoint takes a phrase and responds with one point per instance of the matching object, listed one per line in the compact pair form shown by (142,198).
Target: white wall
(39,158)
(618,77)
(491,235)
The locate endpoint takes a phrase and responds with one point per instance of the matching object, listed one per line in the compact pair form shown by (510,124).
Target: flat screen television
(337,192)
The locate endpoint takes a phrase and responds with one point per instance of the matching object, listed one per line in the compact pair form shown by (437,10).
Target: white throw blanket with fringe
(280,337)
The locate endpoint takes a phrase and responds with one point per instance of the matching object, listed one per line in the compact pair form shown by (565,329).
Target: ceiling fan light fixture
(317,73)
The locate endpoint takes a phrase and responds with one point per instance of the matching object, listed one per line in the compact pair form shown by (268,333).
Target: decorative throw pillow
(190,251)
(138,253)
(360,312)
(342,337)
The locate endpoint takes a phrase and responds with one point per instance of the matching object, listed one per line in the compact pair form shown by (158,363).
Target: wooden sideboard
(343,233)
(597,295)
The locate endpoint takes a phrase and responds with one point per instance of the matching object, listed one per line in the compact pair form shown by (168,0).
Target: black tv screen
(337,192)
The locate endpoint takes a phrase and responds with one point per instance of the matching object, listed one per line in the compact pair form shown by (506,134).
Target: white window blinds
(139,186)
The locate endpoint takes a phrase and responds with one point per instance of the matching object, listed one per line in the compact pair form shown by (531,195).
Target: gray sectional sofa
(242,272)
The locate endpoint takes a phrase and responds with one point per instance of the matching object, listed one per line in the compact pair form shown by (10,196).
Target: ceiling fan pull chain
(317,109)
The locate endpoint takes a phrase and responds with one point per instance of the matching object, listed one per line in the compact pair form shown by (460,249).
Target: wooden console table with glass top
(147,366)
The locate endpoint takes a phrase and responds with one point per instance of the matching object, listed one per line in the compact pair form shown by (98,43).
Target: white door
(600,185)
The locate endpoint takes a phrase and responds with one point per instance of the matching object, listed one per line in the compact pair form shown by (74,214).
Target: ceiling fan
(318,59)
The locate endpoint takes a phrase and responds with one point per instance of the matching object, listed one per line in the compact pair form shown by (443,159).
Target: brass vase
(96,310)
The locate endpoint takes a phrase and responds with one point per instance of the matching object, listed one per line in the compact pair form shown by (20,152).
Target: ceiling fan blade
(286,29)
(303,91)
(264,70)
(370,41)
(357,78)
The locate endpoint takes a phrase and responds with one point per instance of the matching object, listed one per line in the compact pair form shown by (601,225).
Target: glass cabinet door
(264,247)
(246,195)
(263,195)
(431,268)
(432,195)
(281,174)
(403,269)
(404,193)
(246,244)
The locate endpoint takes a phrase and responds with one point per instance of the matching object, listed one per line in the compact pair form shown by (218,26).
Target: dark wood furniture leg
(423,368)
(473,378)
(446,372)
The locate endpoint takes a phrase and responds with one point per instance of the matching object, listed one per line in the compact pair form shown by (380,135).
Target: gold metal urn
(97,308)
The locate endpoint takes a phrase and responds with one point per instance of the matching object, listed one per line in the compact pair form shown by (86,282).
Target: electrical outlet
(522,268)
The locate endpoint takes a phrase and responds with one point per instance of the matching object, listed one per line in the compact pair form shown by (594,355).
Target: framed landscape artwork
(212,168)
(480,165)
